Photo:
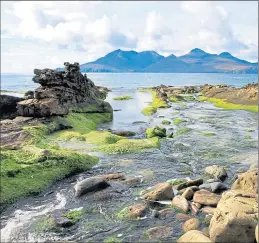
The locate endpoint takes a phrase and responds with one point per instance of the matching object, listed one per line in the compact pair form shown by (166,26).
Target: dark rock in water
(89,185)
(124,133)
(29,95)
(213,187)
(61,91)
(8,106)
(59,220)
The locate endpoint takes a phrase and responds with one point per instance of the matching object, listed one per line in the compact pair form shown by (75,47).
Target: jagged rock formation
(61,92)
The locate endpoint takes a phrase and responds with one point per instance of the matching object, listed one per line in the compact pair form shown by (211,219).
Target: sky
(47,34)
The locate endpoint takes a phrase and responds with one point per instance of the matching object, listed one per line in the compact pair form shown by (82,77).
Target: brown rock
(183,185)
(159,232)
(182,217)
(206,198)
(188,194)
(195,210)
(181,203)
(194,236)
(161,191)
(137,210)
(235,218)
(247,181)
(208,210)
(116,176)
(191,224)
(167,212)
(205,231)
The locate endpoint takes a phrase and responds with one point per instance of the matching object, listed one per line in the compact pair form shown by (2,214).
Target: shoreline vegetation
(32,158)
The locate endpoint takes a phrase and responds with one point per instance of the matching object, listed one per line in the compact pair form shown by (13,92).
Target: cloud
(87,30)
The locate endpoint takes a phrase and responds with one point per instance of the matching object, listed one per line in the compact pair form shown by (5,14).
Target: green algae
(182,131)
(166,122)
(248,137)
(156,132)
(208,134)
(149,110)
(174,182)
(112,239)
(125,97)
(123,213)
(178,121)
(46,224)
(222,103)
(74,215)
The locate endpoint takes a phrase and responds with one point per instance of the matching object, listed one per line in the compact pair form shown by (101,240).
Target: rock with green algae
(125,97)
(166,122)
(156,132)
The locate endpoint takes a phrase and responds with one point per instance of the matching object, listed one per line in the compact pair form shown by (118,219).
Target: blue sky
(45,34)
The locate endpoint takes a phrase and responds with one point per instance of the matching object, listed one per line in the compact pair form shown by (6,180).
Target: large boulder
(62,91)
(8,106)
(247,181)
(161,191)
(235,218)
(194,236)
(216,171)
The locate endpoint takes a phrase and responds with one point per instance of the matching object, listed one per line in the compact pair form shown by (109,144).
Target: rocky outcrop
(235,218)
(62,91)
(8,106)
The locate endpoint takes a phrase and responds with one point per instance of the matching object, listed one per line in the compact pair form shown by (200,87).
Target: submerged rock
(134,211)
(89,185)
(159,232)
(124,133)
(61,91)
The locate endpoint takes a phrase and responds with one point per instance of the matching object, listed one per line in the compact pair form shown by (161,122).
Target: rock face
(61,91)
(8,106)
(235,218)
(247,181)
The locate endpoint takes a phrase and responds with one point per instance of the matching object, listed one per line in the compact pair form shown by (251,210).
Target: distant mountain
(196,61)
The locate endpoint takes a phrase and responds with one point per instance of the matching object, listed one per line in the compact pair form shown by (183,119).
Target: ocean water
(132,81)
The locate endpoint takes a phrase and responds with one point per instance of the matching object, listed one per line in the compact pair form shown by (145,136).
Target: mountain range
(196,61)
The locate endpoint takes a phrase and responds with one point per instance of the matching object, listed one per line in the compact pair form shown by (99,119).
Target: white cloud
(48,33)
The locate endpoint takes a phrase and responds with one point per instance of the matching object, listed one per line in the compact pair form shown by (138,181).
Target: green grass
(166,122)
(125,97)
(222,103)
(178,121)
(182,131)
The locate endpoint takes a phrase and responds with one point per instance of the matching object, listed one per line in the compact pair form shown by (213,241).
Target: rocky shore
(203,201)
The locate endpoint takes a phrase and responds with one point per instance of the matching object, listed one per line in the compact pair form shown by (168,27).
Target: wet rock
(137,210)
(191,224)
(182,217)
(235,218)
(170,135)
(166,213)
(154,213)
(8,106)
(118,186)
(159,232)
(89,185)
(59,220)
(189,183)
(161,191)
(194,236)
(132,181)
(213,187)
(208,210)
(188,193)
(61,91)
(247,181)
(124,133)
(156,132)
(216,171)
(207,198)
(195,210)
(115,176)
(181,203)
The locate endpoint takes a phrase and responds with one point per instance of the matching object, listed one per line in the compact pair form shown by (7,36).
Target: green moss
(102,138)
(166,122)
(249,130)
(30,170)
(222,103)
(45,225)
(74,215)
(156,132)
(123,213)
(208,134)
(149,110)
(182,131)
(178,121)
(174,182)
(212,155)
(112,239)
(125,97)
(129,146)
(248,137)
(175,98)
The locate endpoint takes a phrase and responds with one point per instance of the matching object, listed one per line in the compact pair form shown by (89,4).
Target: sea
(132,81)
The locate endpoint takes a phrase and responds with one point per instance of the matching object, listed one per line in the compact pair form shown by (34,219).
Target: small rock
(183,185)
(59,220)
(154,213)
(197,205)
(161,191)
(191,224)
(166,213)
(159,232)
(116,176)
(213,187)
(89,185)
(183,217)
(181,203)
(137,210)
(207,198)
(194,236)
(194,209)
(188,194)
(216,171)
(208,210)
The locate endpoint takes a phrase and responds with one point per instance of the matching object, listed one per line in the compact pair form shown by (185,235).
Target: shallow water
(184,156)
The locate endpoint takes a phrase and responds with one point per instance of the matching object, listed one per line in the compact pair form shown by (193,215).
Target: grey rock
(213,187)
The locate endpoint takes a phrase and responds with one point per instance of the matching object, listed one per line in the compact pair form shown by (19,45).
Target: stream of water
(184,156)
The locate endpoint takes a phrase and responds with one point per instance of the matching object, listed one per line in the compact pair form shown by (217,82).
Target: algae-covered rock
(134,211)
(156,132)
(216,171)
(166,122)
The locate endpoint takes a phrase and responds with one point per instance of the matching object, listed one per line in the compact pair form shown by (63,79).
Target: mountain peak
(197,50)
(226,55)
